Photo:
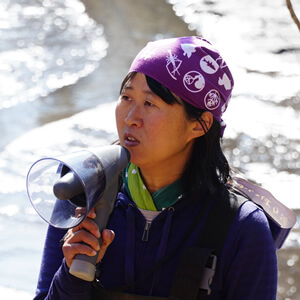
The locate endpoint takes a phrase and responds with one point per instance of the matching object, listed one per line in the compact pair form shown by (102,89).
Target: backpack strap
(197,264)
(219,221)
(189,282)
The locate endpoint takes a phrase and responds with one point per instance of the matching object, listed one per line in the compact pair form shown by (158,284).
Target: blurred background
(61,65)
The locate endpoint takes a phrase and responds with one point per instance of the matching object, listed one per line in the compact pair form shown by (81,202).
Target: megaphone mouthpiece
(68,186)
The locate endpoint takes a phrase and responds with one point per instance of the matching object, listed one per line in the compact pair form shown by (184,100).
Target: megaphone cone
(64,189)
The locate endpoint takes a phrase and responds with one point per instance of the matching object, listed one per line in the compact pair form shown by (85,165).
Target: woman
(169,116)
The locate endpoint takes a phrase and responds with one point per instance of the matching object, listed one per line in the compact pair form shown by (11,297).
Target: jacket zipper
(146,231)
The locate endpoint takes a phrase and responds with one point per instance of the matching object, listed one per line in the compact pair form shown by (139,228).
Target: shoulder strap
(197,264)
(219,221)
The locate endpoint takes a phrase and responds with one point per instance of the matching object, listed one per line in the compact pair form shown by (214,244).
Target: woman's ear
(202,127)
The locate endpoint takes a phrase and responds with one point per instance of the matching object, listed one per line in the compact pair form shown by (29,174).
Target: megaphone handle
(83,266)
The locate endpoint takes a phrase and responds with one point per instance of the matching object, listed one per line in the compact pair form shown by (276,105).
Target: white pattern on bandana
(225,81)
(212,100)
(173,64)
(194,81)
(222,64)
(188,49)
(209,65)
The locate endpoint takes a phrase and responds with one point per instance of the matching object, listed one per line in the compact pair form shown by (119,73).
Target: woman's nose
(134,117)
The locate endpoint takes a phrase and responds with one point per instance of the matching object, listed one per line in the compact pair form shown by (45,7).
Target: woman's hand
(88,233)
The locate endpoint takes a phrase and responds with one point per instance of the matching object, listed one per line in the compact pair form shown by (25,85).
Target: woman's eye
(125,98)
(147,103)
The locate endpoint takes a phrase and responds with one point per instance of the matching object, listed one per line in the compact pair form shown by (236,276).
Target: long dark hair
(207,169)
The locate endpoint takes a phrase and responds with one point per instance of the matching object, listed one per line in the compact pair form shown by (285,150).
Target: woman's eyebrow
(146,91)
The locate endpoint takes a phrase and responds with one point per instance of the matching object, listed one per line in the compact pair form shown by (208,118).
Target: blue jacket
(246,268)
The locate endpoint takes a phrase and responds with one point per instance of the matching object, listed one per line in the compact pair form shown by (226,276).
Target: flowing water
(61,64)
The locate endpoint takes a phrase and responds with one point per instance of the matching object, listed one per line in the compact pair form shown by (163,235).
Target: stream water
(61,65)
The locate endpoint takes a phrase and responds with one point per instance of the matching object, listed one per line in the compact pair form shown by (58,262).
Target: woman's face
(156,134)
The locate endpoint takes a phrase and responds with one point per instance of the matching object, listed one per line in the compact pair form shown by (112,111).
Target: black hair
(207,169)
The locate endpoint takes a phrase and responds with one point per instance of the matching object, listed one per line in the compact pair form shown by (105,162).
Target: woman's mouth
(130,141)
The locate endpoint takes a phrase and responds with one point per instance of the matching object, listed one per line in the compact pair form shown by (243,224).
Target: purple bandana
(191,68)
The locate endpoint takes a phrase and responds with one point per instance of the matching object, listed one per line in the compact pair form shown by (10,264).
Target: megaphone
(63,190)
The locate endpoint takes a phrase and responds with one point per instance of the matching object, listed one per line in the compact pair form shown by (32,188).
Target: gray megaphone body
(65,189)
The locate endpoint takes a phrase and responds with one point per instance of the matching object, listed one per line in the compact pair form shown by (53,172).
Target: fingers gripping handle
(83,266)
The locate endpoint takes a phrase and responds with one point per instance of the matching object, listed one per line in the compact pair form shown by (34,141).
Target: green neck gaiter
(161,199)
